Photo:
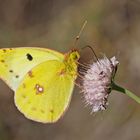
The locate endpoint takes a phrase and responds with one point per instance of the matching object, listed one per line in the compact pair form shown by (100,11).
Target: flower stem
(125,91)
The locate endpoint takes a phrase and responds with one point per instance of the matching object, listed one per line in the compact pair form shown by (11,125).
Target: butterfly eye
(75,55)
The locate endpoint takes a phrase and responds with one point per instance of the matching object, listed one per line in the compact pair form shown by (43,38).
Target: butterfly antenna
(79,34)
(87,46)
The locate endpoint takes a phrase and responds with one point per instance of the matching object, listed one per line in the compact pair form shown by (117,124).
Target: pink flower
(97,82)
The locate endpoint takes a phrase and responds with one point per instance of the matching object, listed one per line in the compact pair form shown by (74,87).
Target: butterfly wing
(45,93)
(16,62)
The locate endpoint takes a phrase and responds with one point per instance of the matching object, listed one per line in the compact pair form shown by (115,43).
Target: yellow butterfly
(42,79)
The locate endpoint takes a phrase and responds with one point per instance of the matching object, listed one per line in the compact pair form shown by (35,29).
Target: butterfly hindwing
(45,92)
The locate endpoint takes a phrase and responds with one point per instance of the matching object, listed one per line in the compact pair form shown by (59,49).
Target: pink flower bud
(97,83)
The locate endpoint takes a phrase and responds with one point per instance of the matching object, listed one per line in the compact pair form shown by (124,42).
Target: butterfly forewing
(16,62)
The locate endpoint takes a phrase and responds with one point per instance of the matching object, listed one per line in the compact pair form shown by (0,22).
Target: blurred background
(113,28)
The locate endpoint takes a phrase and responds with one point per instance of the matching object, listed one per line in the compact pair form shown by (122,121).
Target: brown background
(113,26)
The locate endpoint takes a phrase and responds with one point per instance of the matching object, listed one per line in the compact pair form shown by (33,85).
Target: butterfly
(42,79)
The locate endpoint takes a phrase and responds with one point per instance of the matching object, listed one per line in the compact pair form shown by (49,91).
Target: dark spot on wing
(29,57)
(11,71)
(4,50)
(23,96)
(2,61)
(17,76)
(42,111)
(51,111)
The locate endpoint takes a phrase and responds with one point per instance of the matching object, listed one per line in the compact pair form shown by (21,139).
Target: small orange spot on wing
(30,74)
(33,109)
(62,72)
(24,96)
(24,86)
(29,102)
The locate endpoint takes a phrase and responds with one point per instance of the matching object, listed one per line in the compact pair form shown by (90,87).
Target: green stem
(125,91)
